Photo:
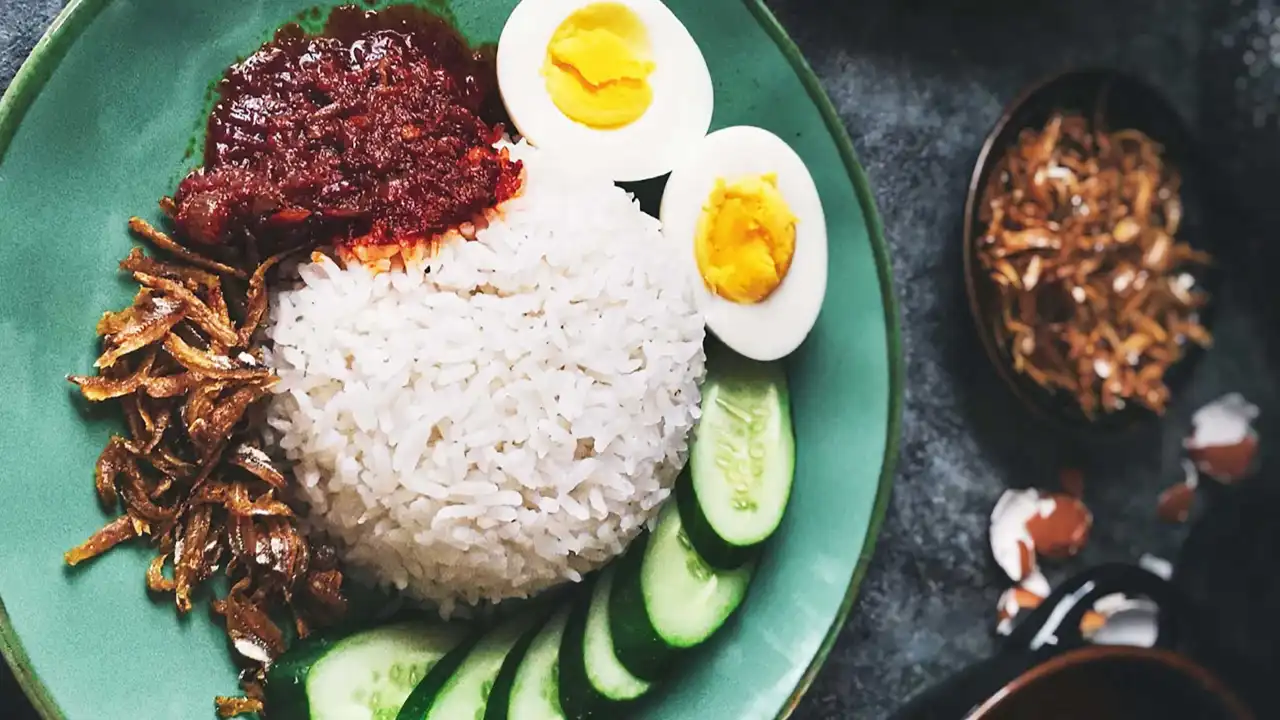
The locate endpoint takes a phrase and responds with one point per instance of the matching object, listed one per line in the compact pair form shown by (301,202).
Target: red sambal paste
(373,132)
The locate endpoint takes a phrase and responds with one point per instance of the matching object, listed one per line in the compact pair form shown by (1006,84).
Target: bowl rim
(1163,657)
(77,15)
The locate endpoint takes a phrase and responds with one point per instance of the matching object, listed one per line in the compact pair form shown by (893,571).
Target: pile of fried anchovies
(1095,297)
(185,363)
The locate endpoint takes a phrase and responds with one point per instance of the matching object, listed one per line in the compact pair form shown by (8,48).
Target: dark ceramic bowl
(1121,102)
(1047,671)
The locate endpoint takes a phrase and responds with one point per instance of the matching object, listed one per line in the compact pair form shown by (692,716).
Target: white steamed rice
(504,418)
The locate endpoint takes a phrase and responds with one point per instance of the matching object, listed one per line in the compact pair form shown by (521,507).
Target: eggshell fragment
(1223,443)
(1156,565)
(1011,542)
(1060,527)
(1125,621)
(1028,596)
(1013,601)
(1176,502)
(1027,522)
(1037,584)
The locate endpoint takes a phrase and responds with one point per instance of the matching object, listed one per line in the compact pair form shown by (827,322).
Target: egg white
(675,121)
(774,328)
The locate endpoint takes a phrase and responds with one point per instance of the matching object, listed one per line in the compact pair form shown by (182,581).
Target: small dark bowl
(1047,670)
(1122,102)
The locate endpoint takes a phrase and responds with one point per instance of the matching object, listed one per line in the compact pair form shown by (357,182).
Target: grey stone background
(918,84)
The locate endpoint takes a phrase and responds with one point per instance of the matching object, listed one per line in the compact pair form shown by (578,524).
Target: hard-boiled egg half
(618,86)
(746,207)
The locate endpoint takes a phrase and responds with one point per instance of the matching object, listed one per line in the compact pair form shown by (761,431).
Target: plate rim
(77,15)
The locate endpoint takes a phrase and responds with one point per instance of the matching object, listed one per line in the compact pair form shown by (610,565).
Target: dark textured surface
(918,85)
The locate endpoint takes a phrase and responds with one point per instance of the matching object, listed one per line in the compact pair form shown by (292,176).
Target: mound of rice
(505,417)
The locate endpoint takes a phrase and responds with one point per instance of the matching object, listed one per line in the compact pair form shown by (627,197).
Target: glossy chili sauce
(373,132)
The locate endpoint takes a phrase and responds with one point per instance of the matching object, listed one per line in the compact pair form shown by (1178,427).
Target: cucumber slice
(592,678)
(577,699)
(459,686)
(364,675)
(639,649)
(530,682)
(743,457)
(607,675)
(718,553)
(419,701)
(286,688)
(668,599)
(370,674)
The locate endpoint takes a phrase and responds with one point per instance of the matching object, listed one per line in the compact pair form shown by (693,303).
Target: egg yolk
(598,66)
(746,239)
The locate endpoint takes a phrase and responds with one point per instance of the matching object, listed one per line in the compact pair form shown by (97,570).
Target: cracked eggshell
(1223,442)
(1156,565)
(1028,596)
(1037,584)
(1135,625)
(1011,542)
(1109,605)
(1013,601)
(1176,502)
(1060,527)
(1122,620)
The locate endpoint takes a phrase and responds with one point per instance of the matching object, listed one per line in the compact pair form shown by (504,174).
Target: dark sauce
(379,130)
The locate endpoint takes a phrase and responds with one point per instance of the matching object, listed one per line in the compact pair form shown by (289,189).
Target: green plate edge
(22,91)
(884,269)
(76,16)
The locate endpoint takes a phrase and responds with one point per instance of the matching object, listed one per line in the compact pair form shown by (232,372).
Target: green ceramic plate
(100,123)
